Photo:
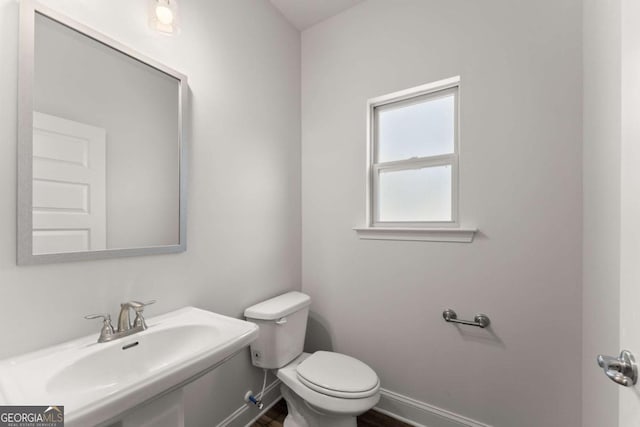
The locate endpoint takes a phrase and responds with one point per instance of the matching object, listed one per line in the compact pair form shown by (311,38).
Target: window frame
(410,96)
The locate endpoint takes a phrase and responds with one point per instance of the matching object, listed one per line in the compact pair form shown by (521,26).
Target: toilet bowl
(327,389)
(322,389)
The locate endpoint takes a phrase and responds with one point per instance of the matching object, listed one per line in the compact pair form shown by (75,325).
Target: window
(414,162)
(413,159)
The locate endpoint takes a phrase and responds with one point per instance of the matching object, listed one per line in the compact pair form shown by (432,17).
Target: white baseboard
(403,408)
(248,414)
(421,414)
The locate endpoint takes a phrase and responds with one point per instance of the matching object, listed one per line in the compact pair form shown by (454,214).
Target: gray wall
(79,79)
(243,62)
(601,188)
(521,159)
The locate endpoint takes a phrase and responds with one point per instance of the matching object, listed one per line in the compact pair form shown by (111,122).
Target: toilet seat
(323,401)
(338,375)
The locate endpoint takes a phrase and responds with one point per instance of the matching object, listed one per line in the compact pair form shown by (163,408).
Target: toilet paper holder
(480,320)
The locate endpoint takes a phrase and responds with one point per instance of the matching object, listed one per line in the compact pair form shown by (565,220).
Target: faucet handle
(138,307)
(104,317)
(106,333)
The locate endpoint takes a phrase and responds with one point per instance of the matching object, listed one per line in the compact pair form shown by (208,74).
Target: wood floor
(275,416)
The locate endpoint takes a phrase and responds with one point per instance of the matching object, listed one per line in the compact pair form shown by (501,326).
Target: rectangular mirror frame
(25,256)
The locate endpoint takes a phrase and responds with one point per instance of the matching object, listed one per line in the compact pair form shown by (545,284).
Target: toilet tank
(283,324)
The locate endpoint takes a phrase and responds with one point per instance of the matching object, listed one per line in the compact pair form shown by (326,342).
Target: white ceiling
(305,13)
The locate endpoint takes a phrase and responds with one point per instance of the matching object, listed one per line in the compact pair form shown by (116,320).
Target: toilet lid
(338,375)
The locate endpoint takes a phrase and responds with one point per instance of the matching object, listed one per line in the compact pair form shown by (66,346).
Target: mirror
(101,147)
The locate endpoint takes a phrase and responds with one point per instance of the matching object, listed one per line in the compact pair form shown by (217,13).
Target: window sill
(457,235)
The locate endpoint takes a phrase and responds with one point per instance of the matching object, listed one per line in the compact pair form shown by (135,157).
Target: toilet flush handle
(281,321)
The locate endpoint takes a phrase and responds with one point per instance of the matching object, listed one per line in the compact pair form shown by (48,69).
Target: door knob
(621,370)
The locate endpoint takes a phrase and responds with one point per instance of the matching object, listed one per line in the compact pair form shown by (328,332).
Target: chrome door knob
(621,370)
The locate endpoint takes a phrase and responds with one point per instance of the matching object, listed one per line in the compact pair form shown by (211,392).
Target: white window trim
(456,235)
(441,231)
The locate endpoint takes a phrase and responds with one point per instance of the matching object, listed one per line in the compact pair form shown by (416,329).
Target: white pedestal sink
(99,383)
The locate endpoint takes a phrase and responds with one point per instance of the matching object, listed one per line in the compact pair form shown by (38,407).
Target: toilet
(322,389)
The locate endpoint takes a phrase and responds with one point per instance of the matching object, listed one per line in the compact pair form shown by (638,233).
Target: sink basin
(97,382)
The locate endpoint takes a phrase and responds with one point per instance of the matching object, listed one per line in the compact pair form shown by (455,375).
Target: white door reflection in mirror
(69,208)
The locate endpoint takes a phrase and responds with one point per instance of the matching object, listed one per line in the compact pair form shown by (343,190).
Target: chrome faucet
(125,327)
(124,320)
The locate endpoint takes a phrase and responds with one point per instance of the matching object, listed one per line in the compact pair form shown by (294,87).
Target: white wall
(601,189)
(381,301)
(243,62)
(79,79)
